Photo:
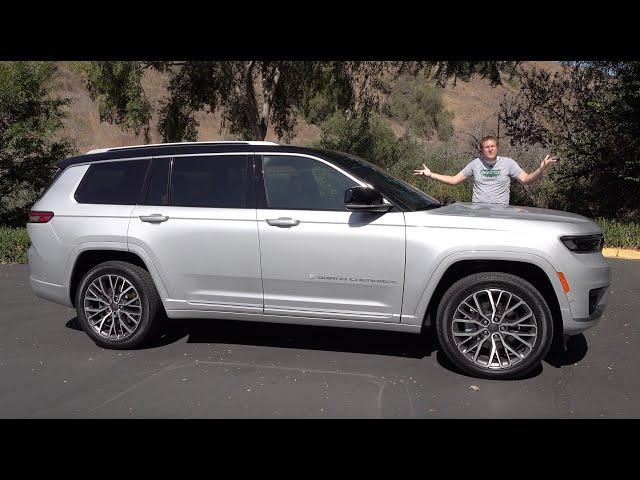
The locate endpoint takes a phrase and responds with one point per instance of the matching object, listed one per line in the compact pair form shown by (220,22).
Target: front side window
(389,186)
(302,183)
(113,183)
(216,181)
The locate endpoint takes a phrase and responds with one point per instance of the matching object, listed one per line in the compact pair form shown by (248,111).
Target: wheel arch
(90,257)
(531,271)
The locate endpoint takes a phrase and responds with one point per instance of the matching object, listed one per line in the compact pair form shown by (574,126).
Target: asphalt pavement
(49,368)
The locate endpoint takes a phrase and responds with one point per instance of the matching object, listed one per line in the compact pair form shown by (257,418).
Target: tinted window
(217,181)
(158,192)
(303,184)
(114,183)
(389,186)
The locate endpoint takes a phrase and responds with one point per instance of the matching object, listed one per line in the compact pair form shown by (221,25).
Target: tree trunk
(250,103)
(267,103)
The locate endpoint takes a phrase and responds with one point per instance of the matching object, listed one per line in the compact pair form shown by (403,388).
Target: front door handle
(283,222)
(155,218)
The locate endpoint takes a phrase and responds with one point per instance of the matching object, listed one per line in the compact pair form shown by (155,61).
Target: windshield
(390,187)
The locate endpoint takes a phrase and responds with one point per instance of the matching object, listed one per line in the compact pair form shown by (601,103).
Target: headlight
(583,243)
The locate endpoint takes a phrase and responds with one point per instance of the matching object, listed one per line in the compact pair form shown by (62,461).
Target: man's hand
(425,171)
(548,160)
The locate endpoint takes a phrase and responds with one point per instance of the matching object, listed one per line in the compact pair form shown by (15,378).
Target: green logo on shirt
(490,173)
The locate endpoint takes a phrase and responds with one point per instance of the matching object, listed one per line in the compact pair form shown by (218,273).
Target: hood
(510,212)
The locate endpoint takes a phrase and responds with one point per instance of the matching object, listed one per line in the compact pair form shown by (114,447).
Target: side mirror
(363,199)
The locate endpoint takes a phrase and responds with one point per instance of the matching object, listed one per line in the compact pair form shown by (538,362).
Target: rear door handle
(283,222)
(155,218)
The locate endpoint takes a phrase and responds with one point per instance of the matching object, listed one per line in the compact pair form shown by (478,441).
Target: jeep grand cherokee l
(261,231)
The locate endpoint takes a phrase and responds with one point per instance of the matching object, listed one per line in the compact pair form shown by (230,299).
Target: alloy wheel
(112,307)
(494,328)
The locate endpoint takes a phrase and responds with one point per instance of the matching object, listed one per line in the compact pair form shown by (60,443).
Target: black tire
(517,286)
(150,304)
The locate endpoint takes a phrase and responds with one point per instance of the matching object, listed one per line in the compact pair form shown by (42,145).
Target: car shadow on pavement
(306,337)
(290,336)
(309,337)
(558,356)
(576,350)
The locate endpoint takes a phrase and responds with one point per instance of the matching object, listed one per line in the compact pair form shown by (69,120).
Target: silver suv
(260,231)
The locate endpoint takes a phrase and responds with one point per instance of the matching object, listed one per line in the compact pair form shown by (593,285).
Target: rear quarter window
(113,183)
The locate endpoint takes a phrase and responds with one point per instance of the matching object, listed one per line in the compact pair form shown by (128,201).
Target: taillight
(40,217)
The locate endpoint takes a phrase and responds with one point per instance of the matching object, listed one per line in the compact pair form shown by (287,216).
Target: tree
(251,95)
(30,120)
(589,115)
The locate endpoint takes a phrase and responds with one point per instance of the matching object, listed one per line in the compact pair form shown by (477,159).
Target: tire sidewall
(131,276)
(523,289)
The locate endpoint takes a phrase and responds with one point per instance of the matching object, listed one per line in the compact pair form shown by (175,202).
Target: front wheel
(494,325)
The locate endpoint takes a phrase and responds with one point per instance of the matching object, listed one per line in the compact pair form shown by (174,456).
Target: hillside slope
(474,104)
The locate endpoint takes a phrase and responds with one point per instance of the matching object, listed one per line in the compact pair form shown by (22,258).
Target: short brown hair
(486,139)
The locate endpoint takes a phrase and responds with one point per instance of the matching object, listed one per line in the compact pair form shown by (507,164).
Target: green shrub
(14,244)
(418,104)
(620,234)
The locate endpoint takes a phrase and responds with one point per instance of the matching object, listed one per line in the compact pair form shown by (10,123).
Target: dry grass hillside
(474,104)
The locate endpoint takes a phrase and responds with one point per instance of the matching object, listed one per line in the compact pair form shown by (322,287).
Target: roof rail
(221,142)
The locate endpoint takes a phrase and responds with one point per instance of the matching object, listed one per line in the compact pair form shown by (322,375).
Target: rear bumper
(51,291)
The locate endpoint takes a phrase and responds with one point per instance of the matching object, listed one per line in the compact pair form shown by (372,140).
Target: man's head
(489,147)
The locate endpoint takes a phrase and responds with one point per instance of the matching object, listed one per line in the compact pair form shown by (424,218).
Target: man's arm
(527,178)
(448,179)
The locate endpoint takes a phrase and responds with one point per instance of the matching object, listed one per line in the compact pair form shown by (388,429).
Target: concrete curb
(625,253)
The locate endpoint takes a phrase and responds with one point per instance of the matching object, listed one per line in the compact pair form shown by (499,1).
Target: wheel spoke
(493,305)
(464,334)
(464,320)
(102,322)
(111,284)
(513,308)
(506,345)
(125,290)
(517,337)
(95,311)
(511,324)
(506,350)
(96,299)
(96,292)
(130,302)
(478,305)
(112,324)
(130,306)
(135,322)
(475,357)
(123,324)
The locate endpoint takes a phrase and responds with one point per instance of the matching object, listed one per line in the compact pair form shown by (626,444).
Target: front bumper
(589,277)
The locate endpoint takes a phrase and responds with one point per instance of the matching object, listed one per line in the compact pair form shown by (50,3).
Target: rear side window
(114,183)
(216,181)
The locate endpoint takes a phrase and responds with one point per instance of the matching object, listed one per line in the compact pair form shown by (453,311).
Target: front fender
(414,314)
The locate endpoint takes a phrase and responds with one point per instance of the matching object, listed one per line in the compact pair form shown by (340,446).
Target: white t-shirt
(491,181)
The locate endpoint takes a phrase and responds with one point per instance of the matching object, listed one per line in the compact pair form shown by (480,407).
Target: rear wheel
(117,304)
(494,325)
